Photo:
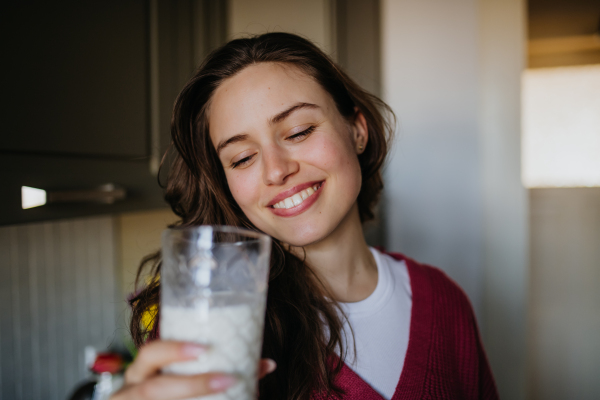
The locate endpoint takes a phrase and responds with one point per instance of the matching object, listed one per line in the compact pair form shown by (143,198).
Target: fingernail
(221,382)
(193,350)
(271,366)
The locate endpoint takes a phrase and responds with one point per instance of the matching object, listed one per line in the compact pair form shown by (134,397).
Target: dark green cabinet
(87,90)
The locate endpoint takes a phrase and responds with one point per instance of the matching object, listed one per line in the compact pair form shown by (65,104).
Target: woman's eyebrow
(231,140)
(284,114)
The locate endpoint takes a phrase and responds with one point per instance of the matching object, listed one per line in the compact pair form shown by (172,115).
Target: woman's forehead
(270,80)
(259,92)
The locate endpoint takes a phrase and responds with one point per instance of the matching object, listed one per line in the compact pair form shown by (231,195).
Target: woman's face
(289,156)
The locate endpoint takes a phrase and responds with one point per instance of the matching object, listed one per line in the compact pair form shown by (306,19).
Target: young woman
(273,136)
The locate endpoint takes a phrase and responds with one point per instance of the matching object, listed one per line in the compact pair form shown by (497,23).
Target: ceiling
(557,18)
(563,32)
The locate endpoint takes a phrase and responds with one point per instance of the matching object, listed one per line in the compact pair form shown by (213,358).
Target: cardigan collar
(412,378)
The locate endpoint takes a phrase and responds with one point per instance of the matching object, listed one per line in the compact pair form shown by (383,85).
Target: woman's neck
(343,261)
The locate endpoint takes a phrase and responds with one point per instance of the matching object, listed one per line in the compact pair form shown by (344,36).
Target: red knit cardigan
(445,358)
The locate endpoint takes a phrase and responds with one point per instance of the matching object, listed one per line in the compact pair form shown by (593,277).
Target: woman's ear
(360,131)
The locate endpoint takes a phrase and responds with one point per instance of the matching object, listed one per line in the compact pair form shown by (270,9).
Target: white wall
(430,68)
(505,202)
(451,72)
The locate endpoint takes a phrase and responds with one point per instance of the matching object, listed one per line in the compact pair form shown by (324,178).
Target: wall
(63,286)
(58,294)
(451,72)
(139,236)
(433,192)
(564,325)
(309,18)
(505,203)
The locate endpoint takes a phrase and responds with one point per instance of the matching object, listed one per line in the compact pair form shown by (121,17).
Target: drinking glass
(213,292)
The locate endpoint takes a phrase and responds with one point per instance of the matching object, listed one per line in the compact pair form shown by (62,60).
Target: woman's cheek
(243,189)
(321,152)
(334,156)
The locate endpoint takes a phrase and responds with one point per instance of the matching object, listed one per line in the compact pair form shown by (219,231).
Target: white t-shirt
(381,326)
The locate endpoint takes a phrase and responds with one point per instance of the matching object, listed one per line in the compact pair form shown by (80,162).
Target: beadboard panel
(58,293)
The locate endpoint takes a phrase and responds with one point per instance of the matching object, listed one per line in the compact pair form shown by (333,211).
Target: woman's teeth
(298,198)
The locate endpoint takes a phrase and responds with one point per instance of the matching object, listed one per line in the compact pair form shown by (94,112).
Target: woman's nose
(277,165)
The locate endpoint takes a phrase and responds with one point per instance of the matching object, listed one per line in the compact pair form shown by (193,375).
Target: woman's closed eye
(301,135)
(243,162)
(297,137)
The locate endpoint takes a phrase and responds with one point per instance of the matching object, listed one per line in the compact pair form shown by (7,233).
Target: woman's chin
(313,230)
(297,242)
(302,237)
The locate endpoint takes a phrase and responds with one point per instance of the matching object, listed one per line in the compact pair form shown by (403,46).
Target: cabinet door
(87,92)
(74,77)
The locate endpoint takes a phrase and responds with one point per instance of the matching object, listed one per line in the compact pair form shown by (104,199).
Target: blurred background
(494,176)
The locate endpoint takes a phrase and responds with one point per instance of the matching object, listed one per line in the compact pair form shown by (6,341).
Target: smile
(298,198)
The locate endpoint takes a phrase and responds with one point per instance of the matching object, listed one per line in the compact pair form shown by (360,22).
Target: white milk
(234,336)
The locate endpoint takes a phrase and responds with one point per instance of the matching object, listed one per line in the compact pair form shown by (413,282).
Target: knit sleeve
(458,362)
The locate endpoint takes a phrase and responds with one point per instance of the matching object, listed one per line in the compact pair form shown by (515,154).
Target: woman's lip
(300,208)
(292,191)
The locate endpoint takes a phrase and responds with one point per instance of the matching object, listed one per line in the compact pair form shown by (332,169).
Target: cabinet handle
(105,194)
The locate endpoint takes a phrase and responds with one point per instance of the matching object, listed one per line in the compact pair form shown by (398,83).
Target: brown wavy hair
(303,327)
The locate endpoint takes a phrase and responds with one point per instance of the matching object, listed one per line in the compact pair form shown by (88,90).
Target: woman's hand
(143,379)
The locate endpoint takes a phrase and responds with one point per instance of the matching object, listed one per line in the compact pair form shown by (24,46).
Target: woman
(271,135)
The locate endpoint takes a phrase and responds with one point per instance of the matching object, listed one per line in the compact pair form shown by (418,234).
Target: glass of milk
(213,292)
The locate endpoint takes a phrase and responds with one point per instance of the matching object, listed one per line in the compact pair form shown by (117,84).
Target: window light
(561,127)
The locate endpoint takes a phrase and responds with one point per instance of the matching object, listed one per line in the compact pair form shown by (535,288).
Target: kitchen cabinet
(87,92)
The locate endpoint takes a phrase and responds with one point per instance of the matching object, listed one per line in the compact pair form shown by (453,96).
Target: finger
(265,367)
(172,387)
(157,354)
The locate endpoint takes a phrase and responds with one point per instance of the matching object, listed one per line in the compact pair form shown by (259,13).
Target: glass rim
(257,236)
